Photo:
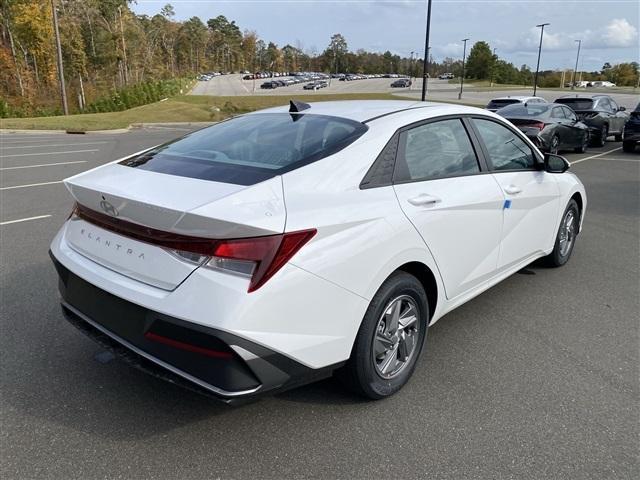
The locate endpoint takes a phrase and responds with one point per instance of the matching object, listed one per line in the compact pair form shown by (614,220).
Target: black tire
(558,257)
(554,146)
(629,147)
(360,374)
(601,138)
(585,143)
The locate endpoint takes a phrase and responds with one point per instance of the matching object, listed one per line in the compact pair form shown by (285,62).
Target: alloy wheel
(396,337)
(567,233)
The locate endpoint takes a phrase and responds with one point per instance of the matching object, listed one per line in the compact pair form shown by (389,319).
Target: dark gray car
(550,126)
(600,113)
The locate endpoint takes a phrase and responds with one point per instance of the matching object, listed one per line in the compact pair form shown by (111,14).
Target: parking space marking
(50,145)
(596,156)
(30,185)
(24,219)
(618,159)
(30,138)
(47,153)
(43,165)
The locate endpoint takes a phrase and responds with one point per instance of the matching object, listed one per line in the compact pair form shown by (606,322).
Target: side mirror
(621,109)
(555,163)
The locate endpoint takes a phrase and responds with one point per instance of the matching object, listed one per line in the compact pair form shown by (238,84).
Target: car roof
(583,96)
(368,110)
(517,97)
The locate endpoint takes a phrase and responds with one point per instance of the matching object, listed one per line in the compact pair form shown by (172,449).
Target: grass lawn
(183,108)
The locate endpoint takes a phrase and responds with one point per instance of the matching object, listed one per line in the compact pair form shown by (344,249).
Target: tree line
(110,53)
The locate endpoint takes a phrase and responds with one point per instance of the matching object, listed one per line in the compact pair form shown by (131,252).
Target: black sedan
(631,136)
(600,113)
(550,126)
(402,83)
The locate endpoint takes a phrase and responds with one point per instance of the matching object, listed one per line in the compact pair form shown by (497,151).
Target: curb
(61,132)
(133,126)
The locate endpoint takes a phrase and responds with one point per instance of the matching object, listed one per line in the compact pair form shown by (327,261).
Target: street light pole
(425,62)
(573,77)
(464,57)
(535,81)
(411,69)
(493,66)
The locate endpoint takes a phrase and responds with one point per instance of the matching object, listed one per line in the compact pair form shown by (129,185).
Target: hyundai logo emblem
(108,208)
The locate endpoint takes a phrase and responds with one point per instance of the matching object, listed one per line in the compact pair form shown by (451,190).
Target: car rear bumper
(631,135)
(204,359)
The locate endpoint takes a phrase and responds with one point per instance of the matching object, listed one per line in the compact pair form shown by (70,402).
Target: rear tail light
(538,125)
(257,258)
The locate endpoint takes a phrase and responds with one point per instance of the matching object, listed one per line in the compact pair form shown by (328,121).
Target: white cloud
(618,33)
(450,50)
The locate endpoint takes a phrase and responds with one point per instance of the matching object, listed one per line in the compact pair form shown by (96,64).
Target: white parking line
(30,185)
(596,156)
(2,147)
(43,165)
(29,138)
(47,153)
(618,159)
(25,219)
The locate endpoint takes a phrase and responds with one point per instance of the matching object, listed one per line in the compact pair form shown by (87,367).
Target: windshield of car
(251,148)
(501,103)
(577,103)
(525,110)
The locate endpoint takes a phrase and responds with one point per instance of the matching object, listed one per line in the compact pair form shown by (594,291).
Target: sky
(609,29)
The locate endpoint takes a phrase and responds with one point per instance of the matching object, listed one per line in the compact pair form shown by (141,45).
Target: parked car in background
(631,135)
(269,85)
(280,246)
(446,76)
(600,113)
(317,85)
(601,83)
(401,83)
(500,102)
(551,127)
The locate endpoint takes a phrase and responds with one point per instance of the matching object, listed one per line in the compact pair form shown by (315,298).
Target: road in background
(440,90)
(535,378)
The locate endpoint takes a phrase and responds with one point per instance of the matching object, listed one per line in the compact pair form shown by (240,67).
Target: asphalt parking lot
(439,90)
(536,378)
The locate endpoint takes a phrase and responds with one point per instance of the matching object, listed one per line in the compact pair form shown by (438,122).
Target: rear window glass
(577,103)
(252,148)
(525,110)
(501,103)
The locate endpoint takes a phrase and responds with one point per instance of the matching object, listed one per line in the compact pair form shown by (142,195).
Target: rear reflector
(154,337)
(257,258)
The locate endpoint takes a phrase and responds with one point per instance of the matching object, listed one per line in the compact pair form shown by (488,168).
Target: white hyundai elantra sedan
(281,246)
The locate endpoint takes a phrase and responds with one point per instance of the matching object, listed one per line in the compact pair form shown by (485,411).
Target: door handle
(512,190)
(423,199)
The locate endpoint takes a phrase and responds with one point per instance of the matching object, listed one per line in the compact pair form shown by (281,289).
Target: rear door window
(251,148)
(435,150)
(577,104)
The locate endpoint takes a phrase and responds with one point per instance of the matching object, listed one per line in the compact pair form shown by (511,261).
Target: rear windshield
(252,148)
(577,103)
(525,110)
(501,103)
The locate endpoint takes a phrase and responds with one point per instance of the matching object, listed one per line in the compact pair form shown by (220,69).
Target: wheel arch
(428,280)
(577,196)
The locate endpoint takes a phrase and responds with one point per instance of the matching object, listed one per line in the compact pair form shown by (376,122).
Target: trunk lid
(166,203)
